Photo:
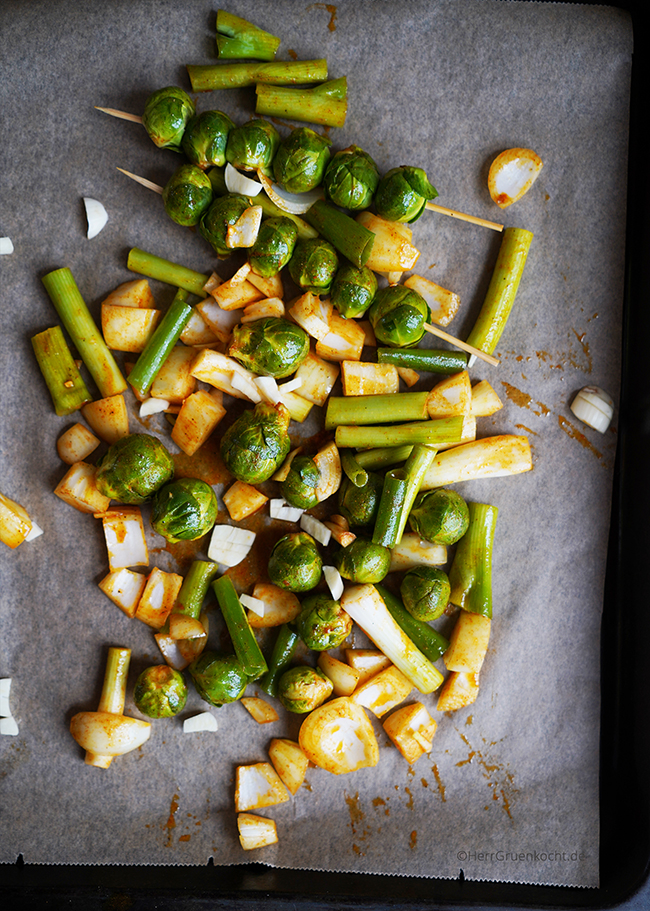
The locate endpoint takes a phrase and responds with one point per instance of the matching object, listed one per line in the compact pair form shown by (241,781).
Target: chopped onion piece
(294,203)
(205,721)
(97,216)
(236,182)
(512,173)
(8,727)
(268,386)
(334,581)
(245,230)
(279,509)
(316,529)
(593,407)
(5,690)
(291,385)
(153,406)
(229,545)
(6,246)
(249,389)
(258,607)
(35,532)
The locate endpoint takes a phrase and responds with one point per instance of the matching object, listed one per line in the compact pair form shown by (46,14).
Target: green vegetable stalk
(82,329)
(502,290)
(383,457)
(60,373)
(350,238)
(434,433)
(426,360)
(471,571)
(157,349)
(415,468)
(352,469)
(238,39)
(325,104)
(243,638)
(210,77)
(391,506)
(431,643)
(115,678)
(376,409)
(283,651)
(165,270)
(194,589)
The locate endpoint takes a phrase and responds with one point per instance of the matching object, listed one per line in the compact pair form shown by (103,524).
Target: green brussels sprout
(295,563)
(322,623)
(187,195)
(273,246)
(205,138)
(353,290)
(271,346)
(402,194)
(363,561)
(166,113)
(425,592)
(253,145)
(313,265)
(184,510)
(351,179)
(398,315)
(133,468)
(300,160)
(440,516)
(299,486)
(301,689)
(257,443)
(359,505)
(160,692)
(218,678)
(222,213)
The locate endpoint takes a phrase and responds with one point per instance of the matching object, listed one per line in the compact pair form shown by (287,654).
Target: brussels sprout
(402,194)
(299,486)
(301,689)
(224,212)
(133,468)
(425,592)
(187,195)
(160,692)
(273,246)
(440,516)
(205,138)
(351,178)
(353,290)
(166,113)
(398,315)
(295,563)
(300,160)
(255,446)
(253,145)
(322,623)
(218,678)
(184,510)
(271,346)
(313,265)
(362,561)
(359,505)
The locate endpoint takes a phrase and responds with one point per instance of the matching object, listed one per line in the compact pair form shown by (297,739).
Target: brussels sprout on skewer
(299,488)
(160,692)
(295,563)
(255,446)
(271,346)
(273,247)
(353,290)
(313,265)
(252,146)
(165,116)
(351,179)
(187,195)
(184,510)
(322,623)
(302,689)
(402,194)
(300,160)
(205,138)
(398,315)
(134,468)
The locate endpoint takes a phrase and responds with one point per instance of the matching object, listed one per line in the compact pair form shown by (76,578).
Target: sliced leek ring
(236,182)
(594,407)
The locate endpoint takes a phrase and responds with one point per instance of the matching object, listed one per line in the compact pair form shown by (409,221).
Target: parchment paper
(510,789)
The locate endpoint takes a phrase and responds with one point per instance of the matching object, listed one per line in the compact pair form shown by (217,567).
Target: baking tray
(625,731)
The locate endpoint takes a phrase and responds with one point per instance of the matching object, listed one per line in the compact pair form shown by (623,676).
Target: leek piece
(376,409)
(391,506)
(415,468)
(243,638)
(192,592)
(157,349)
(165,270)
(284,649)
(434,432)
(430,642)
(64,381)
(324,104)
(383,457)
(238,39)
(115,676)
(350,238)
(352,469)
(470,575)
(426,360)
(210,77)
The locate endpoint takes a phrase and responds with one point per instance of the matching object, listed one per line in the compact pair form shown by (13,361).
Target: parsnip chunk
(258,785)
(289,762)
(411,729)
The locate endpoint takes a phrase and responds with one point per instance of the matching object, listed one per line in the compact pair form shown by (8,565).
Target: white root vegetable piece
(280,606)
(271,286)
(443,304)
(410,376)
(76,443)
(108,417)
(289,762)
(5,692)
(383,692)
(411,729)
(485,401)
(198,332)
(136,293)
(468,643)
(344,341)
(318,378)
(8,725)
(178,653)
(269,306)
(338,737)
(594,407)
(125,538)
(334,581)
(366,607)
(345,679)
(174,381)
(367,378)
(78,488)
(366,662)
(230,545)
(511,174)
(328,462)
(256,831)
(183,627)
(96,216)
(412,550)
(317,529)
(15,523)
(451,396)
(259,709)
(237,292)
(199,415)
(124,588)
(392,250)
(253,604)
(267,387)
(458,690)
(490,457)
(6,246)
(258,785)
(217,369)
(204,721)
(279,509)
(245,230)
(220,322)
(242,500)
(151,406)
(158,597)
(128,328)
(297,406)
(312,314)
(239,183)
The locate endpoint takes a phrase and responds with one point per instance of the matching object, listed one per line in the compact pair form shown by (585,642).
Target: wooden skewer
(461,216)
(122,115)
(457,342)
(143,180)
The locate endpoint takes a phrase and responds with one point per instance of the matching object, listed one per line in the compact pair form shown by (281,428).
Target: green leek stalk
(243,638)
(391,506)
(415,468)
(436,432)
(194,589)
(82,329)
(115,676)
(284,649)
(430,642)
(376,409)
(211,77)
(383,457)
(59,370)
(426,360)
(501,291)
(325,104)
(470,575)
(157,349)
(352,469)
(350,238)
(238,39)
(165,270)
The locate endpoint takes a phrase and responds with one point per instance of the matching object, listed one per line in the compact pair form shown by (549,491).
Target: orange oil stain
(439,783)
(185,838)
(572,431)
(500,779)
(585,350)
(409,802)
(354,808)
(170,825)
(413,842)
(526,429)
(331,9)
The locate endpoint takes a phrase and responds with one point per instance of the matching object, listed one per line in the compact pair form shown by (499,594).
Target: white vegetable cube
(259,709)
(158,597)
(271,286)
(485,401)
(15,523)
(458,691)
(451,396)
(412,550)
(204,721)
(443,304)
(229,545)
(328,462)
(108,417)
(410,377)
(289,762)
(136,293)
(219,321)
(199,415)
(124,588)
(174,381)
(318,378)
(392,250)
(383,692)
(256,831)
(411,729)
(125,537)
(278,509)
(237,292)
(344,341)
(280,606)
(78,488)
(128,328)
(312,314)
(76,444)
(5,692)
(217,369)
(468,643)
(367,662)
(297,406)
(258,785)
(8,727)
(365,378)
(345,679)
(268,306)
(197,331)
(242,500)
